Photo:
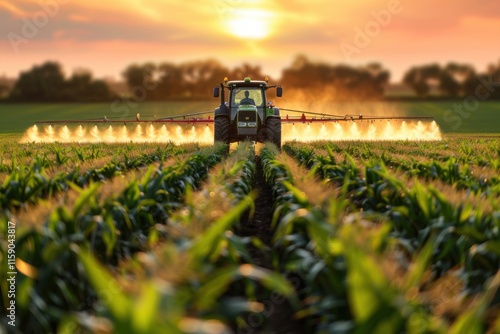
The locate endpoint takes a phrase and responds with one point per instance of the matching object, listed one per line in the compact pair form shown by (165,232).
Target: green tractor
(247,115)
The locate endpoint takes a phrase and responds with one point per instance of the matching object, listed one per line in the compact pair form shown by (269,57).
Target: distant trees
(4,89)
(81,87)
(420,78)
(47,83)
(193,79)
(342,82)
(484,85)
(453,80)
(139,75)
(40,84)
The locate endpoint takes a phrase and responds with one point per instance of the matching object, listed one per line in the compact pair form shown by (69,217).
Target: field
(16,118)
(321,237)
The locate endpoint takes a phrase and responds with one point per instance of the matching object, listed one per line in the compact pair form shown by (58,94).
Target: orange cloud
(12,9)
(79,18)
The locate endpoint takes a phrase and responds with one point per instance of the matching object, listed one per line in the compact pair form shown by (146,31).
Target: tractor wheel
(273,126)
(221,130)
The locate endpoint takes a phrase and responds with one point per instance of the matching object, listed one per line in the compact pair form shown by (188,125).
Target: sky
(107,36)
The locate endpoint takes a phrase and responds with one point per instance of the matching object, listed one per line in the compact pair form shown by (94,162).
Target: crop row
(450,170)
(464,234)
(207,266)
(161,255)
(27,184)
(338,256)
(226,280)
(464,151)
(57,154)
(48,158)
(112,228)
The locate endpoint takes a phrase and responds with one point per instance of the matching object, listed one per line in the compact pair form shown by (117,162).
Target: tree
(200,76)
(246,70)
(141,77)
(470,84)
(341,82)
(82,87)
(46,83)
(484,85)
(421,78)
(448,85)
(453,78)
(495,78)
(41,84)
(78,84)
(3,89)
(380,77)
(170,82)
(98,90)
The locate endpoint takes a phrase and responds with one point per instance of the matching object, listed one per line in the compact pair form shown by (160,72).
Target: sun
(250,23)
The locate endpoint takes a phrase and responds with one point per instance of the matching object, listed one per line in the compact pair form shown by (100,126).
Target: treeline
(195,79)
(47,83)
(339,82)
(454,80)
(187,80)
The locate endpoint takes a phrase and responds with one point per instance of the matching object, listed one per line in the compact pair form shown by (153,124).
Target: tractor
(247,114)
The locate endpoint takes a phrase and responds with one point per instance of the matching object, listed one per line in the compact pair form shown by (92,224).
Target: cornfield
(321,237)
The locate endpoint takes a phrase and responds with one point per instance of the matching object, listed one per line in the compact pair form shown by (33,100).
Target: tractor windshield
(247,96)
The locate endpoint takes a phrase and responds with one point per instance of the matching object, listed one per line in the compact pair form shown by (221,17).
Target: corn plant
(113,229)
(376,305)
(28,184)
(419,212)
(217,255)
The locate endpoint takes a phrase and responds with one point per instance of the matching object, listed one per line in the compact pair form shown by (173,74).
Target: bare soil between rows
(279,314)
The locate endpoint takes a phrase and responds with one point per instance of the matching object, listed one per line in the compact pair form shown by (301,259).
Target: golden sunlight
(250,23)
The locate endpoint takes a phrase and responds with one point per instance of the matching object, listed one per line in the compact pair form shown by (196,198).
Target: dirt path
(278,316)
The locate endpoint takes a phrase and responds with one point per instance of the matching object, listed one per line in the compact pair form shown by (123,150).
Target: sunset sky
(106,36)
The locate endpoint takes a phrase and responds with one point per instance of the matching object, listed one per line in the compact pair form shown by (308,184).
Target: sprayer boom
(180,121)
(304,119)
(244,113)
(324,117)
(209,120)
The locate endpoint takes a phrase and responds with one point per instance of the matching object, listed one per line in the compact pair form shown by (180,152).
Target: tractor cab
(247,96)
(245,115)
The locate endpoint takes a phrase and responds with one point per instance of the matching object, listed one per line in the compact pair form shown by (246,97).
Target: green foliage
(421,219)
(113,229)
(164,255)
(27,184)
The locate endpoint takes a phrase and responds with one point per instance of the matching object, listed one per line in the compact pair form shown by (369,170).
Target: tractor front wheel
(273,131)
(221,130)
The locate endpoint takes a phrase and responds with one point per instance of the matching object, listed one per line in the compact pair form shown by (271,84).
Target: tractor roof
(241,83)
(247,82)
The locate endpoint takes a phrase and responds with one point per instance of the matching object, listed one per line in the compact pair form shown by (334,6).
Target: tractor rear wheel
(221,129)
(273,131)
